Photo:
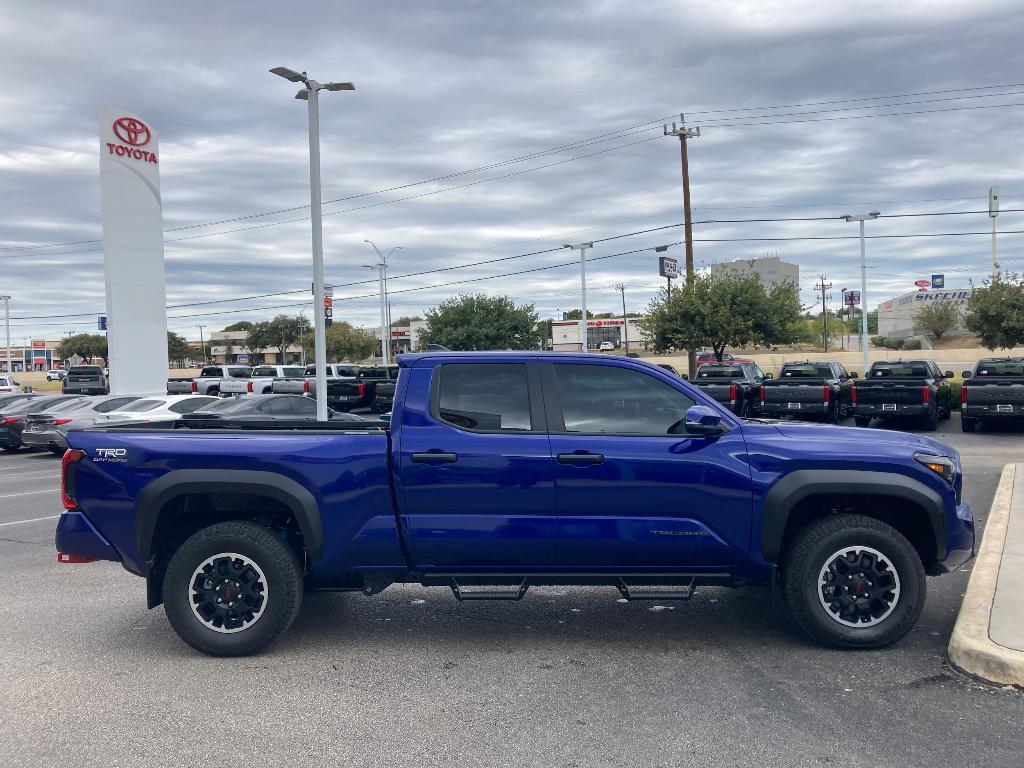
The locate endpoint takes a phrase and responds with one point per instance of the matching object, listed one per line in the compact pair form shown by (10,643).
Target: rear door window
(190,404)
(485,397)
(278,406)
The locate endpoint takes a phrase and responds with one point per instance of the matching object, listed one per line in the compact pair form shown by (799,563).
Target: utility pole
(684,134)
(823,287)
(7,327)
(202,342)
(582,248)
(993,212)
(621,288)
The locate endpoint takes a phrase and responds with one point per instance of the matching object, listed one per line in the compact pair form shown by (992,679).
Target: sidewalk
(988,639)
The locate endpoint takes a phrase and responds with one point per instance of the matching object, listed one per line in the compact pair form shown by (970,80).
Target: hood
(861,436)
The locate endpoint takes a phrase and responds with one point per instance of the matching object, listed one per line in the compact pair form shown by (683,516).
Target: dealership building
(896,316)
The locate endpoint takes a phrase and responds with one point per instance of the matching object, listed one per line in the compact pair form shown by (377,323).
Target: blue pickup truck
(500,471)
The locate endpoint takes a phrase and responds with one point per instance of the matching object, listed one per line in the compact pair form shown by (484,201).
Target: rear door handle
(580,458)
(432,456)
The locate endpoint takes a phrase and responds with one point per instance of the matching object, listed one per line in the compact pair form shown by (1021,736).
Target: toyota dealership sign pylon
(133,253)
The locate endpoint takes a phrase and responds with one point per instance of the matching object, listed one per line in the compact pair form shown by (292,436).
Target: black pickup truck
(341,394)
(810,388)
(992,393)
(902,388)
(735,385)
(379,386)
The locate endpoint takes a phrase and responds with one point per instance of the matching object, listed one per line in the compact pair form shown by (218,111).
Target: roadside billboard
(668,267)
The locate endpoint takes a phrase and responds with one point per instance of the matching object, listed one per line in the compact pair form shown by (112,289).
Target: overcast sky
(452,87)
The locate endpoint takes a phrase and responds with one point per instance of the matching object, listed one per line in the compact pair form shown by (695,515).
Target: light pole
(7,327)
(582,248)
(842,336)
(310,93)
(202,342)
(385,308)
(861,218)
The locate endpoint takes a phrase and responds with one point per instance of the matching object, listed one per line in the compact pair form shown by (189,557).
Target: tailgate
(234,386)
(721,392)
(995,397)
(179,387)
(900,393)
(791,392)
(290,386)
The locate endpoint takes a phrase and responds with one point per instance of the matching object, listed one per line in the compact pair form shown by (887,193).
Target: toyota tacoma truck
(819,389)
(993,393)
(260,380)
(208,381)
(903,389)
(737,385)
(501,471)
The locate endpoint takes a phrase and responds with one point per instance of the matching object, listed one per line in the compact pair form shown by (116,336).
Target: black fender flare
(803,483)
(155,496)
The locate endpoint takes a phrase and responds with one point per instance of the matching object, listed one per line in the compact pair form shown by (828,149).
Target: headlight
(940,465)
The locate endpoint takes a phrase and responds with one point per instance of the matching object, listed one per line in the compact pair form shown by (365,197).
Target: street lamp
(843,335)
(582,248)
(385,309)
(7,327)
(310,93)
(861,218)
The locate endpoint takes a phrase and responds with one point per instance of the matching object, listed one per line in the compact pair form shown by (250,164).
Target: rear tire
(862,421)
(201,582)
(931,421)
(968,425)
(851,581)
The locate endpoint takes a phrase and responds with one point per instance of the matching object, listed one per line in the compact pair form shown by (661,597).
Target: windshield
(1001,369)
(805,372)
(899,370)
(719,371)
(139,406)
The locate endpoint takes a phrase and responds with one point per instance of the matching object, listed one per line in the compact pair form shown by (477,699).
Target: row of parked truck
(349,386)
(992,392)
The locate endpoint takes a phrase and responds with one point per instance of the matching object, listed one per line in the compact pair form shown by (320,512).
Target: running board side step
(515,594)
(685,594)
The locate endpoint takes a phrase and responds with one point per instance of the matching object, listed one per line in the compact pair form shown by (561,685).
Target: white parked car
(156,408)
(8,384)
(56,374)
(606,346)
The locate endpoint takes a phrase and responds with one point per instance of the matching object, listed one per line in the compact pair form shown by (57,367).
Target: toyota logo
(132,131)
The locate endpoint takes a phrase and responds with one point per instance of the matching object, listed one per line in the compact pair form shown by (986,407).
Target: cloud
(446,87)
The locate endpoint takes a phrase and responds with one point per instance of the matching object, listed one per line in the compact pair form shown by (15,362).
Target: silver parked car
(48,430)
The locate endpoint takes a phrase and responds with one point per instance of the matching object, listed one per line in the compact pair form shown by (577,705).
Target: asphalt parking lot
(567,677)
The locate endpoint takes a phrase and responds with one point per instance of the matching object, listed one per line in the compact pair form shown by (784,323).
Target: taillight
(305,387)
(732,393)
(361,391)
(963,395)
(67,477)
(762,393)
(195,387)
(249,386)
(9,420)
(853,395)
(925,394)
(58,422)
(827,393)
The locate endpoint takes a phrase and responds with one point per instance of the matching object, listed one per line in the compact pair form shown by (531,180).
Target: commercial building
(896,316)
(228,347)
(565,334)
(33,355)
(769,270)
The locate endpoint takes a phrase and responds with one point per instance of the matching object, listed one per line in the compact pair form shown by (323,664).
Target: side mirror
(684,376)
(948,374)
(966,374)
(769,375)
(853,374)
(703,421)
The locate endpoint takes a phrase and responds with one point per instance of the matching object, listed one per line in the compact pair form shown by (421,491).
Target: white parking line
(29,493)
(33,520)
(30,475)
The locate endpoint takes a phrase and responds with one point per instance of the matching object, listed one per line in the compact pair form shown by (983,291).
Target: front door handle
(580,458)
(432,456)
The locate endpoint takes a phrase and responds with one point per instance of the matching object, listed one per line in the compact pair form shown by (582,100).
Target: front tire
(968,425)
(232,589)
(852,581)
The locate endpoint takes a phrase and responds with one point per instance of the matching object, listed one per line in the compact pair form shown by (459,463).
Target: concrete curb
(971,650)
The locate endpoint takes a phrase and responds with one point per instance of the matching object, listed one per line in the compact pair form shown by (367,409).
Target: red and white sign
(135,133)
(38,349)
(923,285)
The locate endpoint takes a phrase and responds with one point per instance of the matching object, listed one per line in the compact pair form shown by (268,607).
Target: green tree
(257,338)
(345,342)
(480,322)
(241,325)
(995,312)
(284,330)
(404,321)
(86,345)
(937,317)
(734,309)
(178,349)
(576,314)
